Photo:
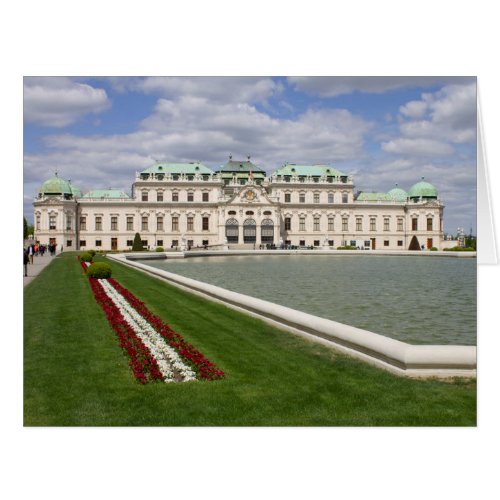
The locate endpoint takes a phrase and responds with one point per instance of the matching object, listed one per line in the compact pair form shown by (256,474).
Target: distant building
(189,205)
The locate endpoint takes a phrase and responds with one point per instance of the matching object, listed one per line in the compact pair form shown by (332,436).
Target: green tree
(137,245)
(28,230)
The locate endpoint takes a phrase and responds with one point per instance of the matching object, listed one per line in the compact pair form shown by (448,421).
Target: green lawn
(76,375)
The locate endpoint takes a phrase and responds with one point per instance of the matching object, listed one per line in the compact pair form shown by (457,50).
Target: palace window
(144,243)
(316,197)
(159,243)
(288,223)
(69,223)
(330,242)
(400,224)
(204,242)
(175,224)
(144,223)
(204,223)
(83,223)
(98,223)
(83,243)
(414,224)
(302,224)
(288,197)
(386,243)
(159,223)
(330,197)
(400,243)
(359,224)
(344,223)
(302,198)
(98,243)
(144,196)
(190,196)
(114,223)
(190,223)
(69,243)
(190,243)
(175,243)
(331,222)
(130,223)
(130,243)
(386,223)
(175,196)
(344,198)
(302,243)
(429,223)
(316,243)
(52,221)
(316,223)
(204,196)
(159,196)
(373,224)
(37,226)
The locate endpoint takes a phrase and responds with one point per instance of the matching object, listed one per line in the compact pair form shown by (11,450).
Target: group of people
(36,249)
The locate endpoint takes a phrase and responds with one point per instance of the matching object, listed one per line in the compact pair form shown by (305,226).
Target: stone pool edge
(398,357)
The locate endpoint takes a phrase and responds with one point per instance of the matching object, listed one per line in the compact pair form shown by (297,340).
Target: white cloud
(417,147)
(219,89)
(414,109)
(58,102)
(330,86)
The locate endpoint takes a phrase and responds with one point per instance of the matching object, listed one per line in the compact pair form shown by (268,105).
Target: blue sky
(382,130)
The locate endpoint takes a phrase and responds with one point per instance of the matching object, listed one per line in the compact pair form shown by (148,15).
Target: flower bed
(156,352)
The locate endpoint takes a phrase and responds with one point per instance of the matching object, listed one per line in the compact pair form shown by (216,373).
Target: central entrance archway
(232,230)
(267,231)
(249,231)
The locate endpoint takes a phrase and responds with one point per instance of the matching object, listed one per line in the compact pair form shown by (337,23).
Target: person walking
(25,261)
(30,253)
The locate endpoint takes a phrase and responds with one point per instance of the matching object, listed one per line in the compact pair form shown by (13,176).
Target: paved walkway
(34,269)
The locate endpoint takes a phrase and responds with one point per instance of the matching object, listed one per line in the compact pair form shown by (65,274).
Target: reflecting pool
(420,300)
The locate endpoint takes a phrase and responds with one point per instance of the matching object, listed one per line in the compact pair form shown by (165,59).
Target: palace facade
(188,205)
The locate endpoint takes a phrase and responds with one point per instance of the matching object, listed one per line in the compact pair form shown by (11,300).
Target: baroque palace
(188,205)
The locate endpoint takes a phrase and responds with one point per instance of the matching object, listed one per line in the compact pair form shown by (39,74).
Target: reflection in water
(414,299)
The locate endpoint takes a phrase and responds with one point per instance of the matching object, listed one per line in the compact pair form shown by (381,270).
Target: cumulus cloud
(330,86)
(417,147)
(58,102)
(194,128)
(217,89)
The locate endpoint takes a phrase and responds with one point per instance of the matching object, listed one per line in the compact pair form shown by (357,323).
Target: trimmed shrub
(137,245)
(433,249)
(86,257)
(99,270)
(160,249)
(347,248)
(459,249)
(91,252)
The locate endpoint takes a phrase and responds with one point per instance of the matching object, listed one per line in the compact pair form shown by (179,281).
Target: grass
(76,375)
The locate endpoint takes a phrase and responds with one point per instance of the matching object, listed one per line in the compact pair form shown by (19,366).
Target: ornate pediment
(251,195)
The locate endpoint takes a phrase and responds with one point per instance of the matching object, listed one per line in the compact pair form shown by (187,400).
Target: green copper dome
(398,194)
(75,191)
(56,185)
(423,189)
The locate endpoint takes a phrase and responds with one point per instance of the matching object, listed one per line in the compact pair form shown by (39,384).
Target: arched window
(232,231)
(249,231)
(267,231)
(232,212)
(248,212)
(268,212)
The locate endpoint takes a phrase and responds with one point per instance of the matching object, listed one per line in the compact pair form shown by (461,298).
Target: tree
(137,245)
(27,229)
